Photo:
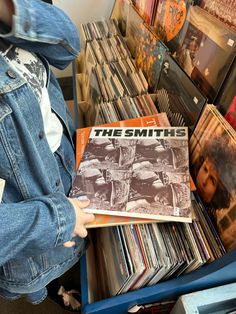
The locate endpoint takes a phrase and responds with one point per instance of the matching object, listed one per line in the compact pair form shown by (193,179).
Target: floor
(23,307)
(70,280)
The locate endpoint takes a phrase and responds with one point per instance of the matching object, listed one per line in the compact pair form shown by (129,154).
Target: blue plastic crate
(220,272)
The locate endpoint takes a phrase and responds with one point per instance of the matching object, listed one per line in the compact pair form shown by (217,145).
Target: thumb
(79,203)
(82,232)
(89,218)
(83,203)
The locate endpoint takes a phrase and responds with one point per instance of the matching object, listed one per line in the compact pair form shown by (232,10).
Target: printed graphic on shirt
(28,65)
(32,69)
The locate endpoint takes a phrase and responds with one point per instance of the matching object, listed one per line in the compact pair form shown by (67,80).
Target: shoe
(70,301)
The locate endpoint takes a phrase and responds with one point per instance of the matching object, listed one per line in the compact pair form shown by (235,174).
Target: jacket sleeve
(44,29)
(36,225)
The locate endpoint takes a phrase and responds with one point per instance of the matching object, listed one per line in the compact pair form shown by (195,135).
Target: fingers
(82,232)
(88,218)
(83,204)
(82,218)
(69,244)
(78,204)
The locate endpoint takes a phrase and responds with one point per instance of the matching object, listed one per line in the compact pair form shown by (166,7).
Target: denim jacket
(36,216)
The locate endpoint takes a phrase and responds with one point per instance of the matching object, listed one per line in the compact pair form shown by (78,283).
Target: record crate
(219,272)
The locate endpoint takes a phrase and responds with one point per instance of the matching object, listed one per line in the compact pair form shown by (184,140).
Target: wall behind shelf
(83,11)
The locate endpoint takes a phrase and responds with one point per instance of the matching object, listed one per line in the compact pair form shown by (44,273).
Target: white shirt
(32,69)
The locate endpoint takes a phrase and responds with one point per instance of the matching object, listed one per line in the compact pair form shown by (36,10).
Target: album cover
(205,49)
(95,95)
(230,115)
(100,29)
(136,172)
(146,9)
(226,100)
(170,18)
(131,254)
(136,257)
(149,57)
(195,248)
(207,229)
(83,134)
(82,137)
(112,254)
(145,250)
(224,10)
(120,13)
(133,34)
(178,96)
(164,261)
(213,167)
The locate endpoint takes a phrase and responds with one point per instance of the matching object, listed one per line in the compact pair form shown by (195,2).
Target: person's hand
(81,219)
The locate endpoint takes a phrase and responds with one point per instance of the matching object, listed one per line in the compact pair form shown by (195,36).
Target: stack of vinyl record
(125,108)
(118,90)
(134,256)
(100,29)
(116,79)
(106,50)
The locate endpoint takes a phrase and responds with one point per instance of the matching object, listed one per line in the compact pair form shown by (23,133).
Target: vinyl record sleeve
(174,262)
(226,99)
(123,175)
(170,18)
(178,96)
(82,136)
(202,243)
(222,9)
(95,93)
(208,228)
(133,35)
(161,253)
(194,246)
(188,255)
(177,244)
(113,261)
(205,48)
(125,234)
(149,269)
(203,234)
(120,13)
(146,9)
(149,56)
(135,255)
(153,257)
(212,155)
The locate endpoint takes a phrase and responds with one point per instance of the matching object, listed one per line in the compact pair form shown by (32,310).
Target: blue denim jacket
(36,216)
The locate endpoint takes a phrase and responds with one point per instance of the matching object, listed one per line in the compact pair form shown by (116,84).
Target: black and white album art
(135,177)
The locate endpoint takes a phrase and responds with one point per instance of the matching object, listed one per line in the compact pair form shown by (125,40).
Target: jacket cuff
(65,218)
(24,20)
